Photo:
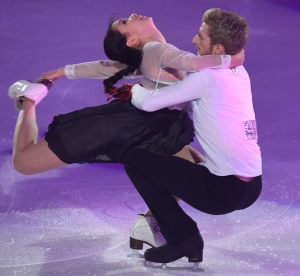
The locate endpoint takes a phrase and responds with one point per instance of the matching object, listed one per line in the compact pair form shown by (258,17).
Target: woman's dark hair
(116,49)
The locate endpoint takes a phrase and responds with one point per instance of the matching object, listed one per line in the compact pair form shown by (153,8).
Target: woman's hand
(53,75)
(237,59)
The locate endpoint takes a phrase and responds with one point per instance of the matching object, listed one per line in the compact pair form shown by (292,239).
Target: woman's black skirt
(106,132)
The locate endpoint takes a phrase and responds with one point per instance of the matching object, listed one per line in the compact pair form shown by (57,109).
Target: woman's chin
(148,18)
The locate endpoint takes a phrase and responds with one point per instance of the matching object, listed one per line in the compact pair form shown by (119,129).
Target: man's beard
(208,52)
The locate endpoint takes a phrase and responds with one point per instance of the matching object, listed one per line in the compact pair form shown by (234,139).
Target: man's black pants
(158,176)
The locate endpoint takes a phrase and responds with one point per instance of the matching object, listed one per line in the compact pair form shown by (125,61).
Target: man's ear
(218,49)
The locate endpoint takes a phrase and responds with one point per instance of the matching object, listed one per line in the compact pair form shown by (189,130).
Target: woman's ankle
(23,98)
(148,214)
(26,103)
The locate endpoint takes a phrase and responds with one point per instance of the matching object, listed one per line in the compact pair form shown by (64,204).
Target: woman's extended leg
(30,157)
(190,154)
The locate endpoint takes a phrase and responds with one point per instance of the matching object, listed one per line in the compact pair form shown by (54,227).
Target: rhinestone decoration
(250,130)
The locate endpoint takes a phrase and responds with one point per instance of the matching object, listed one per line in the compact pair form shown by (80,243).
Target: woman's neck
(155,36)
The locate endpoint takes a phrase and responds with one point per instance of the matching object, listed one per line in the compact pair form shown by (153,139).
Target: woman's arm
(101,69)
(172,57)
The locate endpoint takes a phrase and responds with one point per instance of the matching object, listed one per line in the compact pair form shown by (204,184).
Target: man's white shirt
(223,115)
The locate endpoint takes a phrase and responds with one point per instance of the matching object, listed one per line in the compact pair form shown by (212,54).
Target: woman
(78,137)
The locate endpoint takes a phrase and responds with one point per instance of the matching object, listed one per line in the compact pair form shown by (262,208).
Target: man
(229,178)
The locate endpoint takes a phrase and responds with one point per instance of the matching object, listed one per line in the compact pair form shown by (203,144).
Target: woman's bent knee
(21,166)
(35,159)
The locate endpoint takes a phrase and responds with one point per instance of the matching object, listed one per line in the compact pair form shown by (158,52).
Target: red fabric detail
(121,93)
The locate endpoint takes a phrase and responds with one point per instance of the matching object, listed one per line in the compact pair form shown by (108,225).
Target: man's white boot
(31,90)
(145,230)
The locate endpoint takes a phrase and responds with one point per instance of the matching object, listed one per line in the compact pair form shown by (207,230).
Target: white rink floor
(55,224)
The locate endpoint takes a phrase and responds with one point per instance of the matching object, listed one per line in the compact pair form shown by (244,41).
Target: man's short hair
(226,28)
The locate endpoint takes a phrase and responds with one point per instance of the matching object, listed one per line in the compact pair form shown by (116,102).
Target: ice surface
(76,220)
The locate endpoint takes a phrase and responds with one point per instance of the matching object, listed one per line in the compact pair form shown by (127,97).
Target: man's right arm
(192,87)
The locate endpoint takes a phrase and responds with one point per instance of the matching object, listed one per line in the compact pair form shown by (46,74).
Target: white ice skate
(145,230)
(34,91)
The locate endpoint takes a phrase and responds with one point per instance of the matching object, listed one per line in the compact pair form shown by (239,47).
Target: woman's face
(137,25)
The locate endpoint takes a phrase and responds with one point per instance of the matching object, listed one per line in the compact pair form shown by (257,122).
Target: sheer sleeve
(174,58)
(100,69)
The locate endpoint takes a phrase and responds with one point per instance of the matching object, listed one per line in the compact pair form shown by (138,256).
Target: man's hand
(237,59)
(53,75)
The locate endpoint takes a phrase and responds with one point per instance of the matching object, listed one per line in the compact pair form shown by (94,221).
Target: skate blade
(171,266)
(135,254)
